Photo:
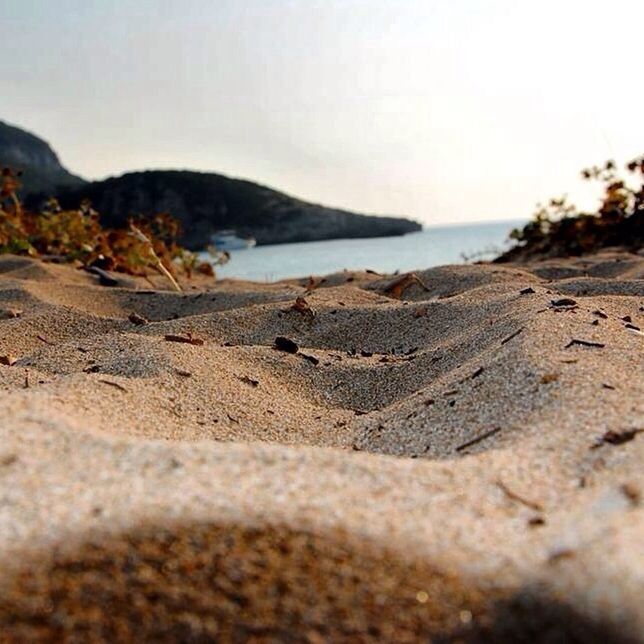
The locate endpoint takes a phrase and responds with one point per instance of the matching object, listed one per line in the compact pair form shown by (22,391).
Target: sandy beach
(452,455)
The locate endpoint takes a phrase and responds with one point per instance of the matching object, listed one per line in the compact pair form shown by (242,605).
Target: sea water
(432,246)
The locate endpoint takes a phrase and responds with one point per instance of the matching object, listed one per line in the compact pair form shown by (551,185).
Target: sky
(446,111)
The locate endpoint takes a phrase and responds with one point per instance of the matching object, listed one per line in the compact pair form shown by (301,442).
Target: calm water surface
(431,247)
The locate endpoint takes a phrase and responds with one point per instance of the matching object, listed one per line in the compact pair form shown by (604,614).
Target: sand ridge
(439,465)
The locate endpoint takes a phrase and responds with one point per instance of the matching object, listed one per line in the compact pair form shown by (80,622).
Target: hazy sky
(447,111)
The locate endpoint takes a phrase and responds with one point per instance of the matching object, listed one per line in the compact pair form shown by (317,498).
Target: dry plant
(77,235)
(560,229)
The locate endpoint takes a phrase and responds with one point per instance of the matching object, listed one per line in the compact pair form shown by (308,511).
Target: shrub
(559,229)
(77,235)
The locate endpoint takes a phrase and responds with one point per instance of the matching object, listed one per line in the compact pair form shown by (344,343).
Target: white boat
(228,240)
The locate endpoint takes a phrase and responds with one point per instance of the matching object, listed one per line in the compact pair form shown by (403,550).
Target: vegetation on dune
(149,243)
(559,229)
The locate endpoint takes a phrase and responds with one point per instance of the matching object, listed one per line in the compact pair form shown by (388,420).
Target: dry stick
(185,339)
(474,375)
(113,384)
(155,258)
(514,335)
(42,339)
(478,439)
(533,505)
(611,437)
(584,343)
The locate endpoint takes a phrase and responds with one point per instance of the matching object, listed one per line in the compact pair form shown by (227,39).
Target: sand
(450,464)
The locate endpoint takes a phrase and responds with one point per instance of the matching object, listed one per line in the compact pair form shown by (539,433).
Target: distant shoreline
(432,246)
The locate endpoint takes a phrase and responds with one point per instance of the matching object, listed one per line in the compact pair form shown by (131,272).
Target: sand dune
(456,458)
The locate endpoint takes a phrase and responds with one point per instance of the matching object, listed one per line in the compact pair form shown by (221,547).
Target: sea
(433,246)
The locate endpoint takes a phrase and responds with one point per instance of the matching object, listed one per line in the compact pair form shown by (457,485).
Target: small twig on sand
(113,384)
(186,339)
(584,343)
(564,301)
(43,339)
(533,505)
(611,437)
(510,337)
(478,439)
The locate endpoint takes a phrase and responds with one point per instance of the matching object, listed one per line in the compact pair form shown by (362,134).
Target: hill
(207,202)
(43,173)
(203,202)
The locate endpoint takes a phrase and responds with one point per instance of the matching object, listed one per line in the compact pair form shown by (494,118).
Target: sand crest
(461,459)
